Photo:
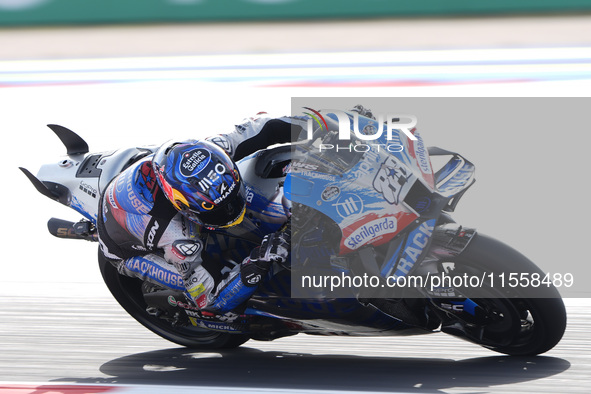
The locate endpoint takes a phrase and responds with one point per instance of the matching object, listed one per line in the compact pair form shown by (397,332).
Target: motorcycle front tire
(541,320)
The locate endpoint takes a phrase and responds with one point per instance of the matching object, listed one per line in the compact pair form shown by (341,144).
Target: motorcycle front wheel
(516,323)
(128,293)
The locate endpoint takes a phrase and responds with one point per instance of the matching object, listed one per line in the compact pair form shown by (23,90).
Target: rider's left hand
(273,249)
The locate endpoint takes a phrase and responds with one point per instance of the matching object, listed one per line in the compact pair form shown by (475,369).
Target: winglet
(59,194)
(74,144)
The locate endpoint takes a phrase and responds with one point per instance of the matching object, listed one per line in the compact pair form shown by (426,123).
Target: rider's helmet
(201,181)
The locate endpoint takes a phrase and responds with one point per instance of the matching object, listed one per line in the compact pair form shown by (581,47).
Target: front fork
(448,241)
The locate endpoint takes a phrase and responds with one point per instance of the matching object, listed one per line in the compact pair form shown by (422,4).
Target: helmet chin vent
(181,204)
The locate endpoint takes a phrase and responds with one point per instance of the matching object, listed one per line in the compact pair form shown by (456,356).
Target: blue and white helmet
(201,181)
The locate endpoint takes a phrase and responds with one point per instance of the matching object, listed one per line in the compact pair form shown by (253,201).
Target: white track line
(435,66)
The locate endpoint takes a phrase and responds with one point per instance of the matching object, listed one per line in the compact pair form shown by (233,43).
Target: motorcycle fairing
(373,196)
(319,314)
(455,177)
(400,264)
(78,179)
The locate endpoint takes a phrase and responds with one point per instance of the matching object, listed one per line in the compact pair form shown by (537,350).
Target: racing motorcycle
(356,212)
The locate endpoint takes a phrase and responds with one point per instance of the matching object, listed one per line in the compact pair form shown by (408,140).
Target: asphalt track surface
(92,341)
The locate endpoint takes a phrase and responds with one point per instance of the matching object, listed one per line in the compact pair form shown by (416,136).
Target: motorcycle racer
(157,215)
(176,218)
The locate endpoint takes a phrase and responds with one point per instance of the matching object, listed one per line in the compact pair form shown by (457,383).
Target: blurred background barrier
(43,12)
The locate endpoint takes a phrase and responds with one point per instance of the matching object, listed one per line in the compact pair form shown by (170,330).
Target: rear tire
(128,293)
(532,325)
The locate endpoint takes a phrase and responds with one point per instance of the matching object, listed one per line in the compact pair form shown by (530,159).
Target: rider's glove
(273,249)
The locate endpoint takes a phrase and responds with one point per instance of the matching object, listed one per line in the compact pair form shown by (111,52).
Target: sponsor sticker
(194,161)
(201,301)
(370,231)
(393,180)
(349,204)
(417,241)
(299,166)
(88,189)
(186,248)
(196,291)
(172,301)
(330,193)
(222,142)
(422,156)
(139,247)
(254,279)
(147,268)
(216,326)
(422,204)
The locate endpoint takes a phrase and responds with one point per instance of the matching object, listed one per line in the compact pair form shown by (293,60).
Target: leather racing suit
(144,236)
